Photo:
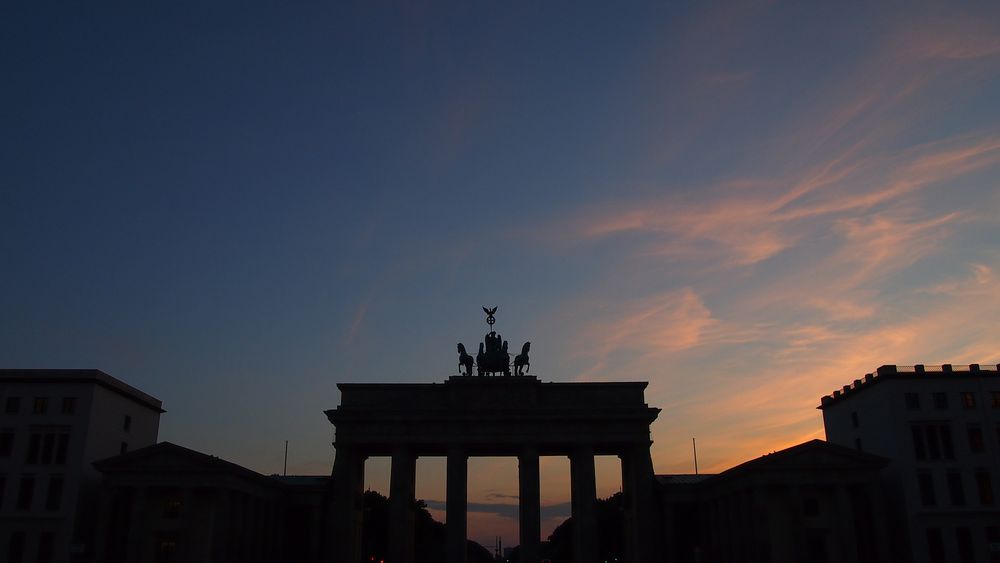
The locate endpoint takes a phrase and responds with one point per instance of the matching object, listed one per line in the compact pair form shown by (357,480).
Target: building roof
(81,376)
(140,459)
(811,454)
(919,371)
(683,479)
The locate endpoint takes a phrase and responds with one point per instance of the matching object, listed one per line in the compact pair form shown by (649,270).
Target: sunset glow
(747,205)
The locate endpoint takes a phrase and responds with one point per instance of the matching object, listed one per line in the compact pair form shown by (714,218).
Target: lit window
(969,400)
(40,406)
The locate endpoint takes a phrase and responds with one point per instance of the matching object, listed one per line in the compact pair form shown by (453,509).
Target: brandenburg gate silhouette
(515,416)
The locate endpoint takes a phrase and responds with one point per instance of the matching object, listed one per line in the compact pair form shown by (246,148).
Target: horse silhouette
(521,362)
(464,360)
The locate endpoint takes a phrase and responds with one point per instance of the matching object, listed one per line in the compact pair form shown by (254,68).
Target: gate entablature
(492,416)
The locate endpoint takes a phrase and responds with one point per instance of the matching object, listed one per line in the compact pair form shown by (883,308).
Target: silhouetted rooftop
(81,376)
(919,371)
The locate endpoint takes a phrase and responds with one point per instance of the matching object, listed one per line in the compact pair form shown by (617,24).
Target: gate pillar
(584,501)
(641,516)
(456,506)
(530,501)
(402,484)
(345,510)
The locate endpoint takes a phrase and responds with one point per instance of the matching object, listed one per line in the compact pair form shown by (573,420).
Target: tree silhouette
(429,534)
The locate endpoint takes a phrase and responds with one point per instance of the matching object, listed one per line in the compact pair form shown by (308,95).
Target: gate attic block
(493,416)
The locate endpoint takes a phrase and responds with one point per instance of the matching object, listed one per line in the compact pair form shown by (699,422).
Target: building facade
(53,425)
(815,502)
(169,504)
(940,428)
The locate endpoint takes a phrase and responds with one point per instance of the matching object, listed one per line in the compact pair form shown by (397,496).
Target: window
(41,405)
(172,508)
(985,485)
(25,492)
(993,537)
(6,443)
(968,399)
(933,446)
(976,444)
(127,425)
(15,548)
(940,400)
(912,401)
(854,419)
(963,537)
(935,547)
(48,448)
(12,405)
(949,451)
(45,547)
(53,498)
(996,399)
(123,448)
(926,483)
(61,448)
(34,446)
(932,441)
(955,489)
(918,442)
(165,550)
(68,405)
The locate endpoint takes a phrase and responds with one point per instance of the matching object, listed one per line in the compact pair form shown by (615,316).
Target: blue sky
(236,206)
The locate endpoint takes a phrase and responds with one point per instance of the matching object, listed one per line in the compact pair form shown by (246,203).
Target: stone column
(347,484)
(584,493)
(138,531)
(879,516)
(104,513)
(529,495)
(457,505)
(846,538)
(639,491)
(402,486)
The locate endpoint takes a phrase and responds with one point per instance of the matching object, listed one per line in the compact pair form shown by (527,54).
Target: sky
(236,206)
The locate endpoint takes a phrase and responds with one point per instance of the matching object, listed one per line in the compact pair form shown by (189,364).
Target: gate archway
(493,416)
